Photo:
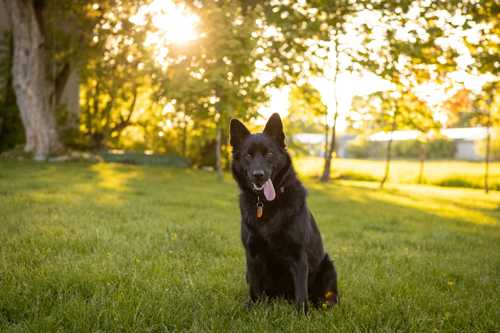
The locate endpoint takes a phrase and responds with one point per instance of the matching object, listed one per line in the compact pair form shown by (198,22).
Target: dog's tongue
(269,192)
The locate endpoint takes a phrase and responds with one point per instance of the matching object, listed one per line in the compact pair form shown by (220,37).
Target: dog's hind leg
(324,290)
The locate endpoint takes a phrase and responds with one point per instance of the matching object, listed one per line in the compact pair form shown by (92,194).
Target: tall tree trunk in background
(487,155)
(218,134)
(218,153)
(35,91)
(423,155)
(389,149)
(184,136)
(325,177)
(327,133)
(331,151)
(88,114)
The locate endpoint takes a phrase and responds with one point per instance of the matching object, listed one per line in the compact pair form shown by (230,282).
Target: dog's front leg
(254,278)
(300,271)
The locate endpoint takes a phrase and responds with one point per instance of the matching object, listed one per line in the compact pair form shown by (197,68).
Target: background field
(115,248)
(451,173)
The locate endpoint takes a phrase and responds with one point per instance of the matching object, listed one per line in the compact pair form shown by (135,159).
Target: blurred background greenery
(151,81)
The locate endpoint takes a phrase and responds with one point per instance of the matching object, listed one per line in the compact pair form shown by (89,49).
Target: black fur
(284,251)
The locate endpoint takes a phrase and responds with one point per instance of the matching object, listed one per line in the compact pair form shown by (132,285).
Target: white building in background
(466,140)
(315,143)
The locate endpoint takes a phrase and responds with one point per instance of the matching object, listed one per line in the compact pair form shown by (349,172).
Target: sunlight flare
(174,21)
(174,25)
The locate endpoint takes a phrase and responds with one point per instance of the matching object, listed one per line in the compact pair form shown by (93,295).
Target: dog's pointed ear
(238,133)
(274,129)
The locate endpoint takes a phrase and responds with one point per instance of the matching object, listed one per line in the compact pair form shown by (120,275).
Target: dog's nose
(258,174)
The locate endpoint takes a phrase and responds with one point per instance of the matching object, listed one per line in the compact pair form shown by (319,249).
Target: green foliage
(307,114)
(111,96)
(436,149)
(441,148)
(392,110)
(494,145)
(304,32)
(214,80)
(456,182)
(361,148)
(140,248)
(485,48)
(469,109)
(486,110)
(246,46)
(359,176)
(459,109)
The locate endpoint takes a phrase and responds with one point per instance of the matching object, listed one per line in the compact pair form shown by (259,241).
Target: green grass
(122,248)
(442,173)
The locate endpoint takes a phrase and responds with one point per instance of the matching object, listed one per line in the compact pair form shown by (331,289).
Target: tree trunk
(327,133)
(88,113)
(423,155)
(125,122)
(61,80)
(325,177)
(389,151)
(487,155)
(184,136)
(34,89)
(331,151)
(218,144)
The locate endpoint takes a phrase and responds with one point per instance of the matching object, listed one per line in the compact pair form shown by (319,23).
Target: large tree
(311,38)
(486,112)
(116,75)
(51,41)
(338,17)
(485,51)
(33,84)
(215,79)
(407,53)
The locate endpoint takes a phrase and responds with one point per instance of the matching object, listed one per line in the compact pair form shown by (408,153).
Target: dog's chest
(272,236)
(277,246)
(268,226)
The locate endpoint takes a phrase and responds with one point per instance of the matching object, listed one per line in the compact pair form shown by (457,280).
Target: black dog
(284,251)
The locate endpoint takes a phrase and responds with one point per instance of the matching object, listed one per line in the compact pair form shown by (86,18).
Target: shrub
(436,149)
(353,175)
(441,149)
(361,148)
(457,182)
(494,145)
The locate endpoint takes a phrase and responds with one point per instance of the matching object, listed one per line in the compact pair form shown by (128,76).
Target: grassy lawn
(117,248)
(445,173)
